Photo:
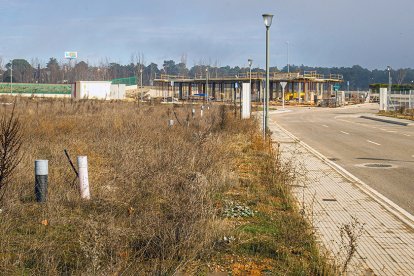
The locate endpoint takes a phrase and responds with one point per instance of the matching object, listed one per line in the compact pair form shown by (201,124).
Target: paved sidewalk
(331,198)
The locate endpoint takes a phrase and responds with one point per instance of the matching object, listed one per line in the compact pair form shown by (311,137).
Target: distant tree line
(360,78)
(69,72)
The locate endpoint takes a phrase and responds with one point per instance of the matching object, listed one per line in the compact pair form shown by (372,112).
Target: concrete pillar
(289,87)
(317,89)
(199,88)
(299,90)
(271,85)
(180,91)
(383,99)
(213,88)
(306,90)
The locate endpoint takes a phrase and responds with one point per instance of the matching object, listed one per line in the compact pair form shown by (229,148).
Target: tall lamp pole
(267,18)
(389,79)
(288,69)
(250,73)
(141,85)
(389,84)
(206,85)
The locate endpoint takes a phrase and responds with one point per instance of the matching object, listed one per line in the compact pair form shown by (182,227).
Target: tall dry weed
(153,188)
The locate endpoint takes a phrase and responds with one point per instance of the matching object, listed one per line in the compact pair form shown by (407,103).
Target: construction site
(306,88)
(309,87)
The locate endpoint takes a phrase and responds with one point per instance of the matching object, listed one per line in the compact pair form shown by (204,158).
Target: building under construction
(310,86)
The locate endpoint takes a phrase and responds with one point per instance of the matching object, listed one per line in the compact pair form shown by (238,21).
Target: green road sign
(336,86)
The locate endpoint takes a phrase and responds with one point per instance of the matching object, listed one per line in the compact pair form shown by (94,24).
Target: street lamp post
(250,73)
(288,69)
(141,85)
(389,84)
(267,18)
(389,79)
(206,96)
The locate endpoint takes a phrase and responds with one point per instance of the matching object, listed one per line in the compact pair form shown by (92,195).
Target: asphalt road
(353,142)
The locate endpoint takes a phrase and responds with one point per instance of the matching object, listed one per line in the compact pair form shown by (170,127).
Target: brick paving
(331,199)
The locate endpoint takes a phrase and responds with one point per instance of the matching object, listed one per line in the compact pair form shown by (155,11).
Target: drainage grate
(329,199)
(333,159)
(378,165)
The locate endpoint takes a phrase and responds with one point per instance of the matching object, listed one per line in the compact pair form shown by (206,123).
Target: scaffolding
(309,87)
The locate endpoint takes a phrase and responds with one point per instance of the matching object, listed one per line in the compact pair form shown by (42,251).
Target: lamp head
(250,62)
(267,19)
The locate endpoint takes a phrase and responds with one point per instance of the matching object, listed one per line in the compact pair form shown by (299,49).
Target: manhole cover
(376,165)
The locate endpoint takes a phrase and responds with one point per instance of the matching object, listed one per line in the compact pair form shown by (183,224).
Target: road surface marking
(391,131)
(408,135)
(373,143)
(324,125)
(345,132)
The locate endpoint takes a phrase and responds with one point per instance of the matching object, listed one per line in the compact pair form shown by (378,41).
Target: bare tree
(10,145)
(400,75)
(184,59)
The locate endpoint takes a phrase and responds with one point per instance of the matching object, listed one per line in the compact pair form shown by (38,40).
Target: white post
(83,177)
(201,111)
(246,103)
(170,123)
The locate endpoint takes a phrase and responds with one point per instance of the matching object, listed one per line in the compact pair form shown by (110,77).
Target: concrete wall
(100,90)
(117,92)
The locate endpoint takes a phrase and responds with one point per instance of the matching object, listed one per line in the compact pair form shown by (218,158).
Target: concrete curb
(390,121)
(390,206)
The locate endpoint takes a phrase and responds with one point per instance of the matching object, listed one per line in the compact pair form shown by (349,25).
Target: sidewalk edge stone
(389,205)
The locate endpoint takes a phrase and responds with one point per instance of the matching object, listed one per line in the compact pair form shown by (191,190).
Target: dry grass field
(161,197)
(402,113)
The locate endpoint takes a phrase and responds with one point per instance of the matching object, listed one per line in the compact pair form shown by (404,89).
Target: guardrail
(257,75)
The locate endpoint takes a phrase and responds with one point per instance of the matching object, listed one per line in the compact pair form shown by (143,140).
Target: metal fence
(126,81)
(31,88)
(401,100)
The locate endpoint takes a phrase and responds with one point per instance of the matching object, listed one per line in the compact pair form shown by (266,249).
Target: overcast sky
(371,33)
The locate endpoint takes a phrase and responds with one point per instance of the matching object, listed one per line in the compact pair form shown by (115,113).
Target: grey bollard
(193,111)
(41,179)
